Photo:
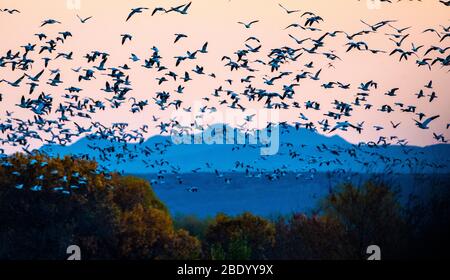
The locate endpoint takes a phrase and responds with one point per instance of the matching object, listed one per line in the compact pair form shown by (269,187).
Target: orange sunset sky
(215,22)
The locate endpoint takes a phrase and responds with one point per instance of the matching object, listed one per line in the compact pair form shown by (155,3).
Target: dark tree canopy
(47,204)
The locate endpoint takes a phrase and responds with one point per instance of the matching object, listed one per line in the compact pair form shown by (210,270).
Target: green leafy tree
(371,215)
(243,237)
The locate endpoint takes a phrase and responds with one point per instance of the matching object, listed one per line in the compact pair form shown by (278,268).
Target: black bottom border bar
(224,270)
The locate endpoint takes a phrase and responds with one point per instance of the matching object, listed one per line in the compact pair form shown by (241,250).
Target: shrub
(370,215)
(302,237)
(242,237)
(195,226)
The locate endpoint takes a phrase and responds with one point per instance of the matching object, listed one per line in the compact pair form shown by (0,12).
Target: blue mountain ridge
(300,150)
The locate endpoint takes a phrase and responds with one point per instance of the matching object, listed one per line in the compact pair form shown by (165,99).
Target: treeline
(48,204)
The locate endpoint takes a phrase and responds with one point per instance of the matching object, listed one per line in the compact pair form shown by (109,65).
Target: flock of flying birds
(62,122)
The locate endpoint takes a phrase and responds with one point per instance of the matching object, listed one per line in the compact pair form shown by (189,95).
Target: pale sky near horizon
(215,22)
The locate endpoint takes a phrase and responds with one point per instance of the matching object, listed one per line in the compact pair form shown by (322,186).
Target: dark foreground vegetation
(47,204)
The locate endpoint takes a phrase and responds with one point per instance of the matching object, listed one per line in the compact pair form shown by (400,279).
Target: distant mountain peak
(298,149)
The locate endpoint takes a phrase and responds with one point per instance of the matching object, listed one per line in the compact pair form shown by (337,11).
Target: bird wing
(39,75)
(19,80)
(429,120)
(130,15)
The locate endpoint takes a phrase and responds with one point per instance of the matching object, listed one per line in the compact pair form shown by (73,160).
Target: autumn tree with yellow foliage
(47,204)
